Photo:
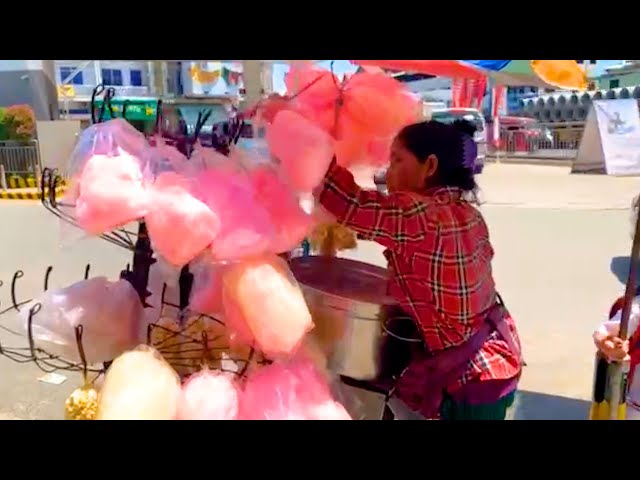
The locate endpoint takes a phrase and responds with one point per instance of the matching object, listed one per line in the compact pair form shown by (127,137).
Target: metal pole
(3,178)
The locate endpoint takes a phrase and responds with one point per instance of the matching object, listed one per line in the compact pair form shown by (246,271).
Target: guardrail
(20,165)
(557,144)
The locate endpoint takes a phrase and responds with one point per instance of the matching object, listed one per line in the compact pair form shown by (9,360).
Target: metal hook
(108,96)
(96,91)
(125,104)
(87,269)
(79,330)
(46,277)
(32,311)
(16,276)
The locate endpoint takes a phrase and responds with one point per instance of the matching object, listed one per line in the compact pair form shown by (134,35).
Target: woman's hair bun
(465,126)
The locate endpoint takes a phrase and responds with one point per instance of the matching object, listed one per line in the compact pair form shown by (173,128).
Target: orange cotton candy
(270,301)
(304,150)
(293,390)
(110,193)
(180,226)
(290,221)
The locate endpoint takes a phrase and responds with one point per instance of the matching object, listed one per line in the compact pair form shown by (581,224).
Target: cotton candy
(245,226)
(206,292)
(304,150)
(109,138)
(139,385)
(111,193)
(180,226)
(240,333)
(110,313)
(270,301)
(208,396)
(289,391)
(290,221)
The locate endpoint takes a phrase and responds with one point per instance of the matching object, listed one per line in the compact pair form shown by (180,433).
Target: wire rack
(187,340)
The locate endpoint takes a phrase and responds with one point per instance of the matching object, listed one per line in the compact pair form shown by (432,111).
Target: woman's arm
(390,220)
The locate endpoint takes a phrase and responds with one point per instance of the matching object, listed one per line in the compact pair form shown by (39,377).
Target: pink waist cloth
(423,383)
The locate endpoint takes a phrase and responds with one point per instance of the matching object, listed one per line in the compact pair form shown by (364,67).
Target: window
(135,78)
(66,71)
(614,83)
(111,76)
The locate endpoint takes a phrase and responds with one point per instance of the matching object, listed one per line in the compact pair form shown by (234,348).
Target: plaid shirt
(440,259)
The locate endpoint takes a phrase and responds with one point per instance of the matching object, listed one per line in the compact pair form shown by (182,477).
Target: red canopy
(438,68)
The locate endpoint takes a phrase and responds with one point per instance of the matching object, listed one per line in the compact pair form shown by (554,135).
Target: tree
(20,122)
(4,131)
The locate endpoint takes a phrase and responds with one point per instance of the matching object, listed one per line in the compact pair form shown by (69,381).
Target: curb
(32,195)
(547,162)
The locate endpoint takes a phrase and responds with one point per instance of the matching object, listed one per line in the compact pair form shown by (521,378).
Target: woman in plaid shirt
(439,257)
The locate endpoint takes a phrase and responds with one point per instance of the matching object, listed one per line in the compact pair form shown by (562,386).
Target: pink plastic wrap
(111,192)
(208,396)
(165,158)
(290,221)
(109,139)
(289,391)
(246,227)
(180,226)
(304,150)
(269,299)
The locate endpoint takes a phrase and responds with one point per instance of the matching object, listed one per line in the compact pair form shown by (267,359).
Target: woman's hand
(609,344)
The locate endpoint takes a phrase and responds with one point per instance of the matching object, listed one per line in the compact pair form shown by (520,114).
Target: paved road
(553,267)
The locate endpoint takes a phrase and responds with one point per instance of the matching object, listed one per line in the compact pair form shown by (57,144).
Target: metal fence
(19,164)
(555,144)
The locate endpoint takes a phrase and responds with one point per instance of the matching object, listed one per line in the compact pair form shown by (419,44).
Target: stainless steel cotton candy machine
(356,324)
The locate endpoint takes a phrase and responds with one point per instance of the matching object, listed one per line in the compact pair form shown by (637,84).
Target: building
(626,74)
(30,82)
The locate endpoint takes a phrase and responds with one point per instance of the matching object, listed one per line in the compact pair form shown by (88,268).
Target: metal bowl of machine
(354,321)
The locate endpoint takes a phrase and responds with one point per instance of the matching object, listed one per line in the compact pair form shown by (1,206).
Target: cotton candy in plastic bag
(291,390)
(245,225)
(111,192)
(166,158)
(180,226)
(291,222)
(208,395)
(270,301)
(110,313)
(139,385)
(110,139)
(206,292)
(304,150)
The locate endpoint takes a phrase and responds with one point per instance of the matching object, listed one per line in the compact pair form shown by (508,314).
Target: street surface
(562,242)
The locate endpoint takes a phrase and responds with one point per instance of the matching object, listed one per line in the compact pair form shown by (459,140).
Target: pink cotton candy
(291,222)
(289,391)
(304,150)
(111,193)
(206,294)
(270,301)
(180,226)
(246,227)
(208,396)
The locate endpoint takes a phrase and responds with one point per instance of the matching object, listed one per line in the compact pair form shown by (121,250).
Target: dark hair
(454,146)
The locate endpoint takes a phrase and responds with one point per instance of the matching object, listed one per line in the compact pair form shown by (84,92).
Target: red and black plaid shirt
(440,258)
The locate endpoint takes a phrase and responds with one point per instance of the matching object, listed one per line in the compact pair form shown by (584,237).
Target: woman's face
(406,173)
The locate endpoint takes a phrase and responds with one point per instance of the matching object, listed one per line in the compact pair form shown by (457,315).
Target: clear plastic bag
(270,302)
(206,292)
(108,139)
(110,313)
(246,228)
(291,390)
(290,221)
(180,226)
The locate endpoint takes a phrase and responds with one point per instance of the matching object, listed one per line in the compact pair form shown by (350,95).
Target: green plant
(20,122)
(4,130)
